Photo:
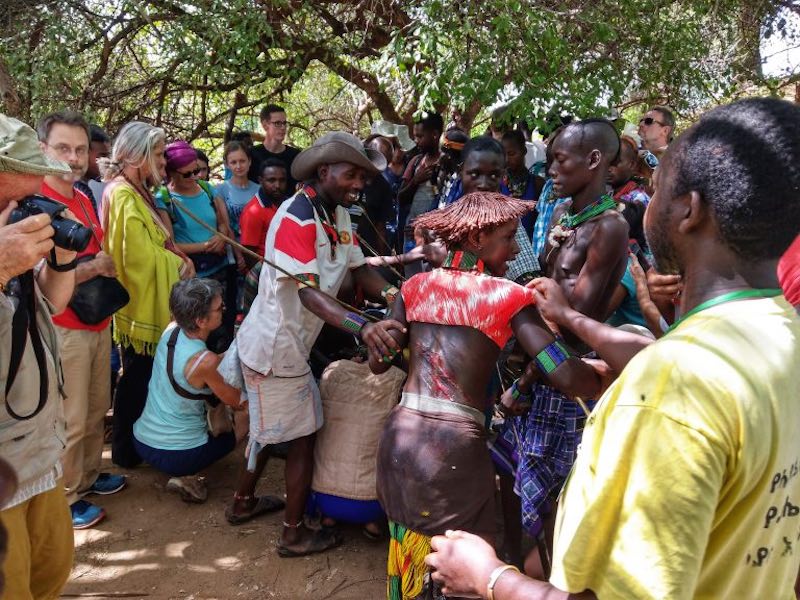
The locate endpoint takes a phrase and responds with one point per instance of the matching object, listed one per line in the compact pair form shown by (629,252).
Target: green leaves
(184,64)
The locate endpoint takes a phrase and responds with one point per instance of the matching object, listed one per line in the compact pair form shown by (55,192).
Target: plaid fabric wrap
(525,265)
(547,204)
(540,448)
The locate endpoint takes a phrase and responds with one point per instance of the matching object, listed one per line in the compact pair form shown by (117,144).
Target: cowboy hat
(390,130)
(20,151)
(336,147)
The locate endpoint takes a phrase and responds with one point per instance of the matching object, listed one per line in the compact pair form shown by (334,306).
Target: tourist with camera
(83,327)
(36,518)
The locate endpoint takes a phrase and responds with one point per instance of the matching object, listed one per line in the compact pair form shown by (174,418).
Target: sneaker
(85,514)
(107,483)
(191,488)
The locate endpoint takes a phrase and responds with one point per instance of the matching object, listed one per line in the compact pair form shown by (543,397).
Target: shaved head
(593,134)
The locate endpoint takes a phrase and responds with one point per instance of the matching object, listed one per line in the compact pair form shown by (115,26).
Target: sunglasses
(189,174)
(649,121)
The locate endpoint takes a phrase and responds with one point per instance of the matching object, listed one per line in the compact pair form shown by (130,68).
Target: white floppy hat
(388,129)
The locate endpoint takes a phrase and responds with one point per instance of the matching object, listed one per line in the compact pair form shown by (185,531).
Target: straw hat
(336,147)
(20,151)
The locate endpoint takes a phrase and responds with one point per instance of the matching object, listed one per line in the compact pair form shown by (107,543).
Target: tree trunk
(12,104)
(238,101)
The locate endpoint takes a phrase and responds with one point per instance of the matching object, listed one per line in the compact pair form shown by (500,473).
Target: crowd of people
(595,331)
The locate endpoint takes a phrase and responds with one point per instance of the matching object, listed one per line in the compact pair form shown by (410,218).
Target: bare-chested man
(586,253)
(434,472)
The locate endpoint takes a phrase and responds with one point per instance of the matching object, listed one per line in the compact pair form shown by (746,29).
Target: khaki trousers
(86,360)
(40,547)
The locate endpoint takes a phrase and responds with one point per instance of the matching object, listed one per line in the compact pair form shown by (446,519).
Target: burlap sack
(355,405)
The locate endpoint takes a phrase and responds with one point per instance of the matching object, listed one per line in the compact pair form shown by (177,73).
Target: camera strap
(181,391)
(24,322)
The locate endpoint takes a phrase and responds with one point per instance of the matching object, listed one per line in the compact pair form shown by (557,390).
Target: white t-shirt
(278,332)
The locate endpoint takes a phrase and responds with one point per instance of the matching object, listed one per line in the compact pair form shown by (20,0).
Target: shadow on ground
(152,545)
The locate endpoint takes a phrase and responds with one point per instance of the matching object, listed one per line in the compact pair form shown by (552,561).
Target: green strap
(729,297)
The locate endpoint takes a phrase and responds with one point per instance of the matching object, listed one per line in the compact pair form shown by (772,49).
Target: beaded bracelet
(551,357)
(353,322)
(516,393)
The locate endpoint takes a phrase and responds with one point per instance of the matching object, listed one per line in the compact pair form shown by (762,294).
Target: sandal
(319,541)
(263,505)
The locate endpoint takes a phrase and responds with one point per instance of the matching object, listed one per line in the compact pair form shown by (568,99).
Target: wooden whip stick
(260,258)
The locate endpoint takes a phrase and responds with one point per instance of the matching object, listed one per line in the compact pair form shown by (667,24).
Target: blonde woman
(148,264)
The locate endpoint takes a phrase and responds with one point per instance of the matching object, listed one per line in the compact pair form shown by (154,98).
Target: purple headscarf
(179,154)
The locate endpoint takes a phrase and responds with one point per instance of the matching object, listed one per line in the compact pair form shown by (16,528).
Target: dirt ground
(152,545)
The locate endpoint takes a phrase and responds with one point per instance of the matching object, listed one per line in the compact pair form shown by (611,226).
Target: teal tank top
(170,421)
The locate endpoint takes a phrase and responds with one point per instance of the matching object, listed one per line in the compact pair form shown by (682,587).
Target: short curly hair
(190,299)
(744,161)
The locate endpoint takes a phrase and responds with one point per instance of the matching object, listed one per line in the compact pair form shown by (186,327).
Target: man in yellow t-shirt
(687,482)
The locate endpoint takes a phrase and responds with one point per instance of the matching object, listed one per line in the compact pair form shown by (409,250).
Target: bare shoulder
(209,362)
(611,223)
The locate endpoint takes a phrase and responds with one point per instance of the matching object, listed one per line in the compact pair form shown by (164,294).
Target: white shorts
(281,408)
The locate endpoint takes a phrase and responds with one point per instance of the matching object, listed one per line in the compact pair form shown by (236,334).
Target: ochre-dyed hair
(476,212)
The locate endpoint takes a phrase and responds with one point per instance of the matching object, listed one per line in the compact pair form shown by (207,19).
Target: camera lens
(70,235)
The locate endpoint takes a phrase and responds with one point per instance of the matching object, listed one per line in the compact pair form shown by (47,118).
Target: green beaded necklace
(598,207)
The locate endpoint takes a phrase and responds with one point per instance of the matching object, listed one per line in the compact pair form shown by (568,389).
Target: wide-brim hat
(336,147)
(399,132)
(20,151)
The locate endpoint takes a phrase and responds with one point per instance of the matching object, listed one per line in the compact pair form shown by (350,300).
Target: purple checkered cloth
(539,448)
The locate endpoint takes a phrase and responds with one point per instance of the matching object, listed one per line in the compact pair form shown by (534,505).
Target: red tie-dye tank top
(466,298)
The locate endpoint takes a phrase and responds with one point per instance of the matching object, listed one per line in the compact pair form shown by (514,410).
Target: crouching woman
(172,434)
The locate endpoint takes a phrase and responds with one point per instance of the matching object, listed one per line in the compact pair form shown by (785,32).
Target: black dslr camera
(70,235)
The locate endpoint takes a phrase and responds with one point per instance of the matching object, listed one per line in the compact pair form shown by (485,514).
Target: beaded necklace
(568,223)
(462,260)
(328,225)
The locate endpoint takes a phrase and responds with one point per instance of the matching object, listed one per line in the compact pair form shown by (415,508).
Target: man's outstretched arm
(614,346)
(567,372)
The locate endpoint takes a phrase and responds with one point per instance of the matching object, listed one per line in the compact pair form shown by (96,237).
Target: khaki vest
(33,447)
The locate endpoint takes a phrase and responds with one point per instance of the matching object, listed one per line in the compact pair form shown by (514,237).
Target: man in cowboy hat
(37,519)
(310,238)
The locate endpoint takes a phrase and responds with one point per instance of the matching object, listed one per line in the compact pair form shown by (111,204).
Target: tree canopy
(203,67)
